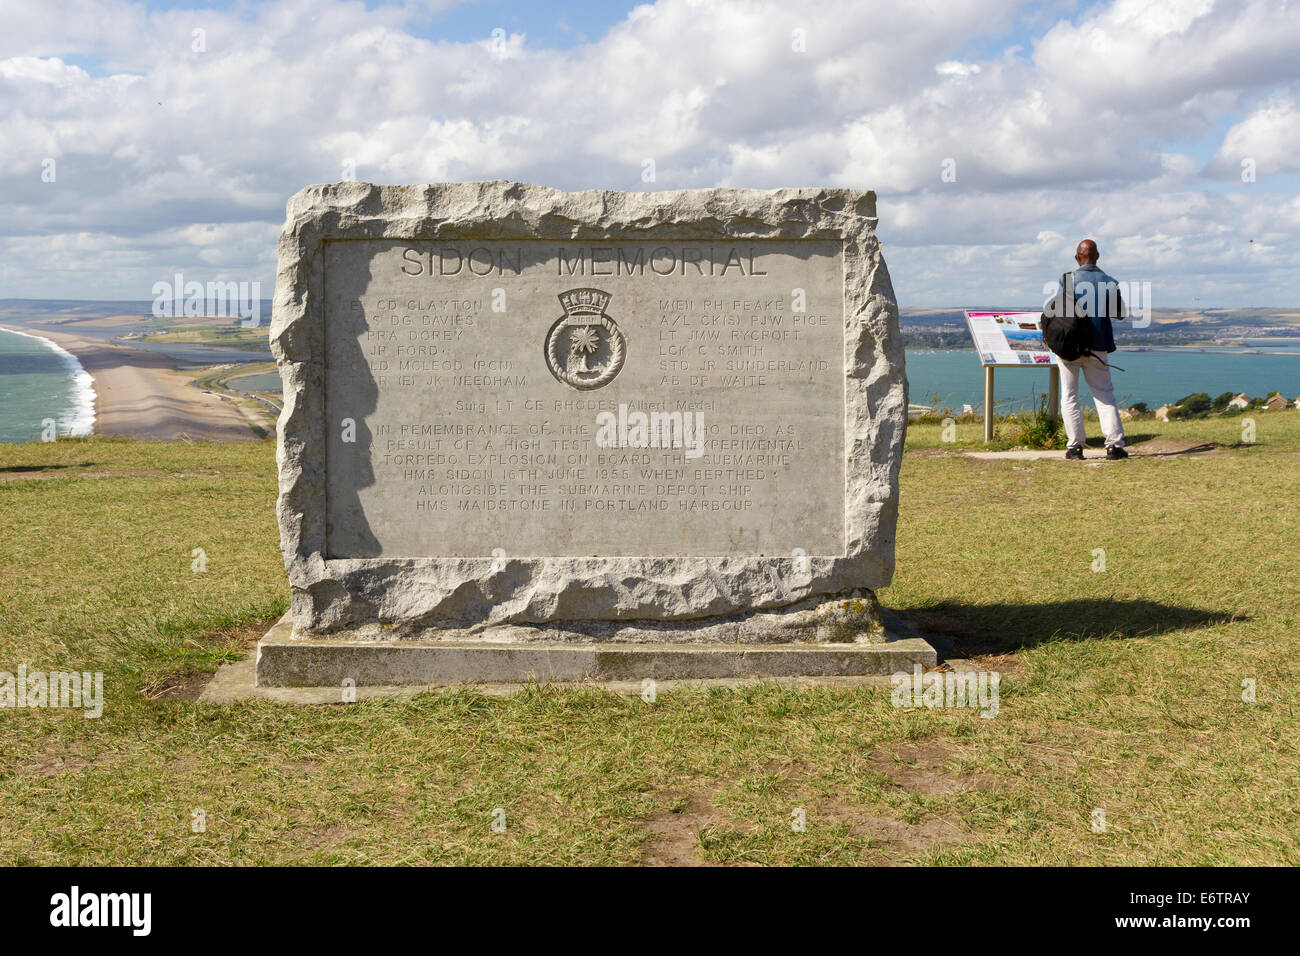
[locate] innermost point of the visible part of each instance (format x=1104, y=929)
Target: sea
x=43, y=389
x=951, y=378
x=40, y=382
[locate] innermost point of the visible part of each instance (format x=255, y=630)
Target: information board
x=1008, y=338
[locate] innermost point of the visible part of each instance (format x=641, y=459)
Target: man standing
x=1097, y=296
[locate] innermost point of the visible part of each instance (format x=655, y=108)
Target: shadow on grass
x=998, y=628
x=1130, y=438
x=25, y=468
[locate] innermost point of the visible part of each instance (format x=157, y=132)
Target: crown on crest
x=586, y=304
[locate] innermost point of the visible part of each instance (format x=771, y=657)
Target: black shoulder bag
x=1066, y=330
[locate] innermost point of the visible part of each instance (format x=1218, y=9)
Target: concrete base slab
x=310, y=671
x=237, y=681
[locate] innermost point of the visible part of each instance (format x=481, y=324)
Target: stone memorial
x=606, y=435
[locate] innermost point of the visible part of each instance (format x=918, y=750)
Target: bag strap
x=1067, y=281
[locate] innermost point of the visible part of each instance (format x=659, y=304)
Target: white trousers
x=1103, y=394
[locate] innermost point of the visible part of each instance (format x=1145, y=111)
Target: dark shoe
x=1074, y=453
x=1115, y=453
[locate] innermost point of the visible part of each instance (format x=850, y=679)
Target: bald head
x=1086, y=254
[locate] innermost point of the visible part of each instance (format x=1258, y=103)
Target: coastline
x=79, y=419
x=138, y=393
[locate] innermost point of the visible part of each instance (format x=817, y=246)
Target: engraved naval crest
x=585, y=347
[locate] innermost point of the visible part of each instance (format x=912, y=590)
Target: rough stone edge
x=331, y=594
x=853, y=618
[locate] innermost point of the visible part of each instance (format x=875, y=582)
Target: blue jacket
x=1097, y=295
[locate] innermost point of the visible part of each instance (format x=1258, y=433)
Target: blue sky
x=556, y=25
x=552, y=25
x=135, y=155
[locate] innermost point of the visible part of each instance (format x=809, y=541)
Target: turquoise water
x=953, y=377
x=38, y=382
x=1155, y=377
x=259, y=382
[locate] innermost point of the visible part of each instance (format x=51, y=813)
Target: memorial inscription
x=707, y=419
x=522, y=414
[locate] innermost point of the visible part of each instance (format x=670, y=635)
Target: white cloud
x=1268, y=139
x=956, y=68
x=170, y=159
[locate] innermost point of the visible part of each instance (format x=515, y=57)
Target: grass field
x=227, y=336
x=1122, y=689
